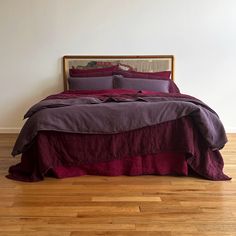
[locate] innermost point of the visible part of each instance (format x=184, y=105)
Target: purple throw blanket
x=117, y=114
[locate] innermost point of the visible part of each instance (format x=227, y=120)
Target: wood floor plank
x=34, y=233
x=66, y=211
x=166, y=227
x=78, y=227
x=120, y=233
x=126, y=199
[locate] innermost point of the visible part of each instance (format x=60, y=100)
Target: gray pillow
x=141, y=84
x=90, y=83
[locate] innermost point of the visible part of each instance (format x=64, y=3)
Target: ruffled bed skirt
x=158, y=164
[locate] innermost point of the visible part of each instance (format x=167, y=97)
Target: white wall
x=35, y=34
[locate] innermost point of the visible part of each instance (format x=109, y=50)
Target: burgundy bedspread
x=67, y=154
x=119, y=132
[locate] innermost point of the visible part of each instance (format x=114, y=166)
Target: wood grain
x=117, y=206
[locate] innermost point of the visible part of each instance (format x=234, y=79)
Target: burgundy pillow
x=145, y=75
x=90, y=83
x=98, y=72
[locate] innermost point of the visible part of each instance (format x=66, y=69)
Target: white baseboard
x=12, y=130
x=230, y=129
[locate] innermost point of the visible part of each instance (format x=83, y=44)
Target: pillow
x=141, y=84
x=173, y=88
x=98, y=72
x=90, y=83
x=145, y=75
x=162, y=75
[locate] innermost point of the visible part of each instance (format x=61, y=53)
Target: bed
x=119, y=115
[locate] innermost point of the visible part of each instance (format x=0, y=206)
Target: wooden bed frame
x=147, y=63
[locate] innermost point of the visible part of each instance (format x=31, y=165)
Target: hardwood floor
x=93, y=205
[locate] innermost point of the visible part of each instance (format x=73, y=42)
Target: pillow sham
x=145, y=75
x=98, y=72
x=173, y=88
x=141, y=84
x=90, y=83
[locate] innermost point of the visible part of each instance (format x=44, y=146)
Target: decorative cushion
x=98, y=72
x=144, y=75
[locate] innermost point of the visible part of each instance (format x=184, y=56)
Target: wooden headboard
x=152, y=63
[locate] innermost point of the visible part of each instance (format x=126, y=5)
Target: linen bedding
x=119, y=132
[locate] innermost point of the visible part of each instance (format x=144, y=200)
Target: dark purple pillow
x=141, y=84
x=173, y=88
x=144, y=75
x=98, y=72
x=90, y=83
